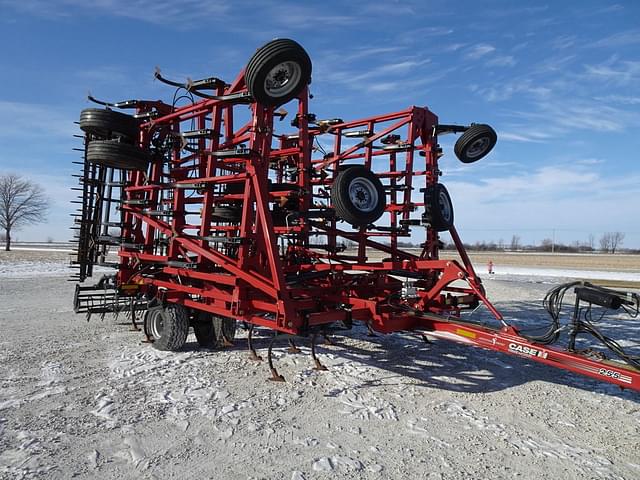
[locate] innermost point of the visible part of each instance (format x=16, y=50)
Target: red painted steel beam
x=508, y=341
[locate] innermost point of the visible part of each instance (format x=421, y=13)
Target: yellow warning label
x=465, y=333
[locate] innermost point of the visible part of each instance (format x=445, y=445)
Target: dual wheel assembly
x=167, y=327
x=112, y=139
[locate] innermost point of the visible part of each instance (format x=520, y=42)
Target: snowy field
x=90, y=400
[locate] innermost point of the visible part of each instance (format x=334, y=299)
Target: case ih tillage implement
x=220, y=217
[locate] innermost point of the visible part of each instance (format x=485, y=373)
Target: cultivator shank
x=220, y=212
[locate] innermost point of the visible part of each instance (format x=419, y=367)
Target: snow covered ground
x=567, y=273
x=56, y=263
x=90, y=400
x=28, y=262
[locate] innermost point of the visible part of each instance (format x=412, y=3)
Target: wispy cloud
x=478, y=51
x=620, y=99
x=162, y=12
x=504, y=91
x=420, y=33
x=590, y=161
x=567, y=196
x=615, y=71
x=502, y=61
x=192, y=14
x=384, y=77
x=359, y=53
x=524, y=136
x=566, y=115
x=29, y=120
x=620, y=39
x=563, y=41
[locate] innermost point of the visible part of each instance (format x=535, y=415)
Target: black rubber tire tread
x=145, y=323
x=432, y=213
x=467, y=139
x=343, y=206
x=114, y=154
x=268, y=56
x=224, y=327
x=176, y=328
x=226, y=214
x=204, y=330
x=107, y=123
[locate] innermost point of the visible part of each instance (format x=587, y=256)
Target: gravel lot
x=90, y=400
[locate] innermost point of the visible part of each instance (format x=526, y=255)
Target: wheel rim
x=156, y=324
x=363, y=194
x=282, y=79
x=445, y=206
x=478, y=147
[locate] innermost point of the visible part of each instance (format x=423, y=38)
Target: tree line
x=609, y=242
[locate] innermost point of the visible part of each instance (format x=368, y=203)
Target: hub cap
x=445, y=206
x=156, y=324
x=478, y=147
x=282, y=79
x=363, y=194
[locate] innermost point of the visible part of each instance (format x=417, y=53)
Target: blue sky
x=559, y=81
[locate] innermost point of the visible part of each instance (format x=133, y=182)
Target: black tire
x=204, y=330
x=475, y=143
x=212, y=330
x=277, y=72
x=114, y=154
x=358, y=184
x=107, y=123
x=145, y=323
x=224, y=327
x=226, y=214
x=438, y=210
x=168, y=326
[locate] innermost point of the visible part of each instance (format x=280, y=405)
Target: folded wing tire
x=114, y=154
x=106, y=124
x=358, y=196
x=475, y=143
x=278, y=72
x=438, y=208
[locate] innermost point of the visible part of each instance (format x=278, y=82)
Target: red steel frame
x=269, y=272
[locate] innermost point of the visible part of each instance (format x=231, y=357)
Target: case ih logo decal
x=525, y=350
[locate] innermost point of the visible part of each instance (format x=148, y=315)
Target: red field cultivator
x=223, y=213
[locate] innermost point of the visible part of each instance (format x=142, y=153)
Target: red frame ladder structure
x=219, y=217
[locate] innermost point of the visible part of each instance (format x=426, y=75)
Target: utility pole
x=553, y=241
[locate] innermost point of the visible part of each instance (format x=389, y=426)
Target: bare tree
x=591, y=242
x=546, y=245
x=515, y=242
x=616, y=240
x=605, y=242
x=22, y=202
